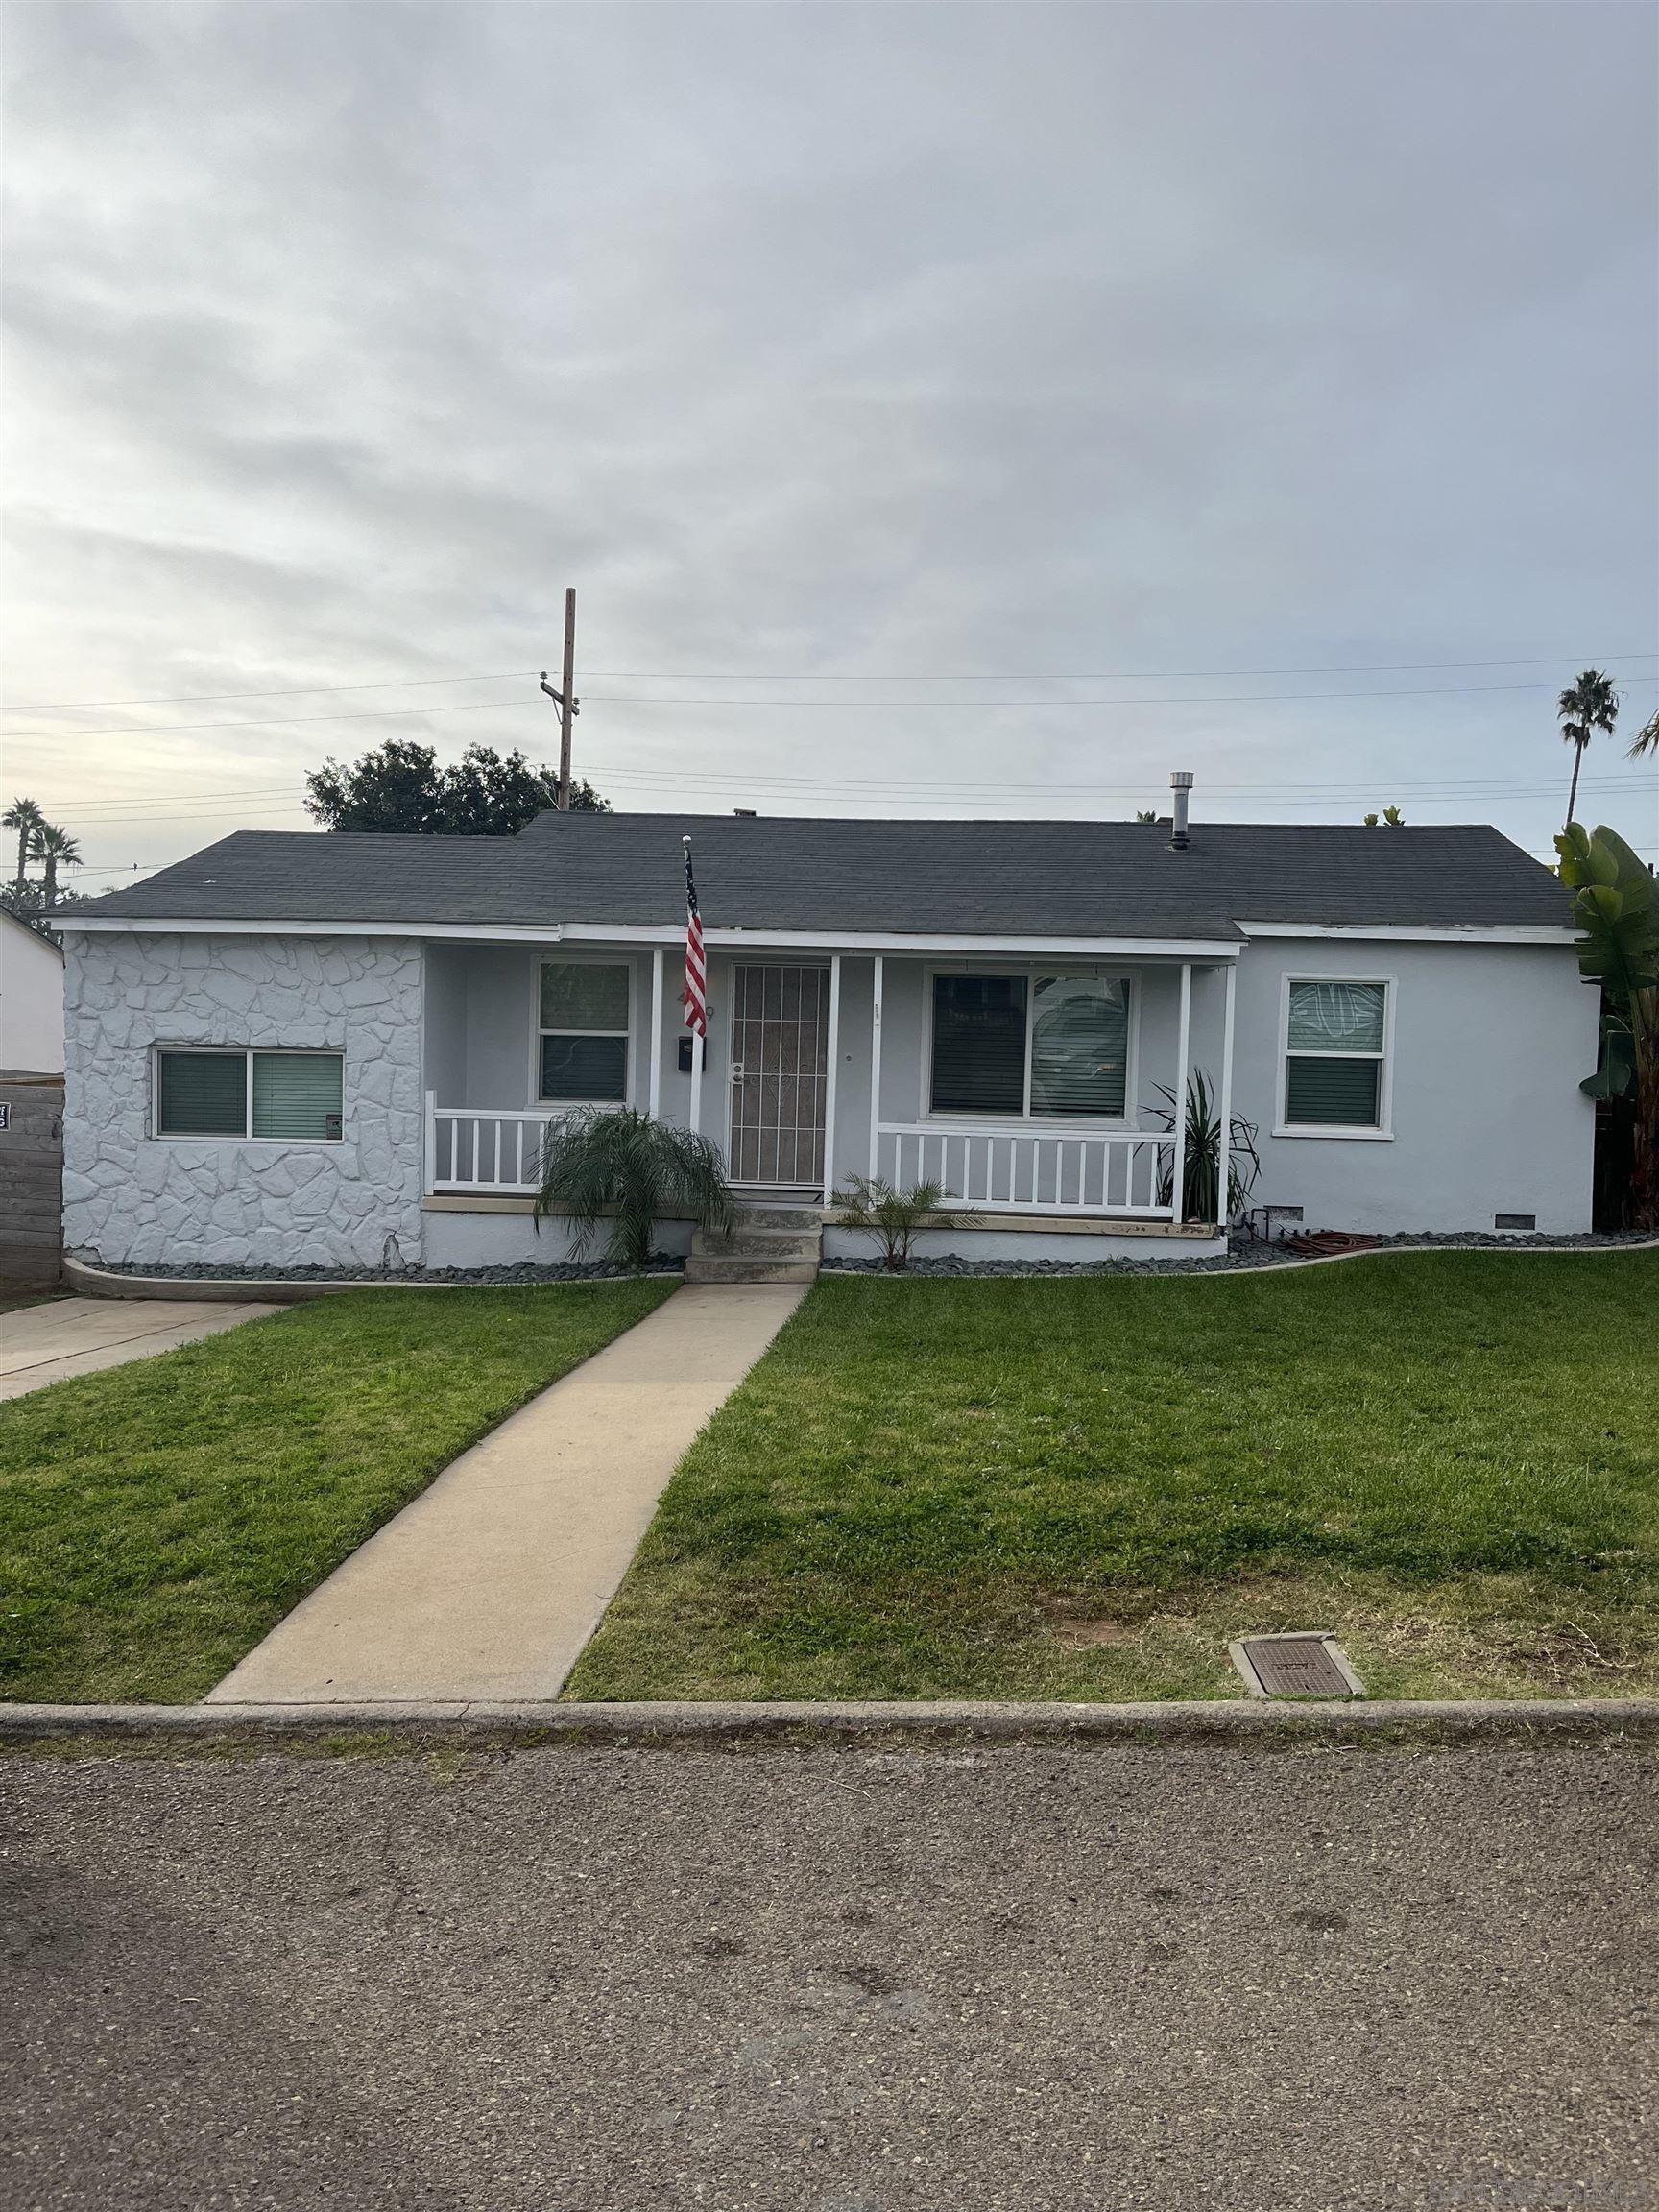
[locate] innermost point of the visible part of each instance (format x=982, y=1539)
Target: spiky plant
x=1201, y=1155
x=602, y=1163
x=892, y=1216
x=1590, y=705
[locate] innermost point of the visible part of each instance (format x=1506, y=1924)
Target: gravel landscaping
x=1243, y=1252
x=523, y=1273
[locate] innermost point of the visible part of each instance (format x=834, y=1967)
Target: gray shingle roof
x=910, y=878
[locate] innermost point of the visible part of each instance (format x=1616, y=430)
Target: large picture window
x=275, y=1095
x=1336, y=1054
x=583, y=1022
x=1031, y=1046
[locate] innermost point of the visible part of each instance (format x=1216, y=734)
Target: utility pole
x=565, y=700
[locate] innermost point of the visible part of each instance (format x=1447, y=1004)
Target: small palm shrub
x=892, y=1216
x=603, y=1162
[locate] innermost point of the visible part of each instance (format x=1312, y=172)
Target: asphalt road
x=833, y=1982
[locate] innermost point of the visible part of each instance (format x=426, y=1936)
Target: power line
x=823, y=676
x=838, y=706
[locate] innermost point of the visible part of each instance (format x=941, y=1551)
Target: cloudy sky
x=939, y=409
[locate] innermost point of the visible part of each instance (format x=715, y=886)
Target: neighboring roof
x=21, y=929
x=906, y=878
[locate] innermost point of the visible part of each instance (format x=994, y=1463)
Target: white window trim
x=1341, y=1132
x=561, y=957
x=249, y=1052
x=1101, y=971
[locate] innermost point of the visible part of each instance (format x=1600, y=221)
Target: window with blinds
x=1079, y=1045
x=1030, y=1046
x=298, y=1094
x=584, y=1032
x=978, y=1044
x=294, y=1095
x=1335, y=1047
x=202, y=1095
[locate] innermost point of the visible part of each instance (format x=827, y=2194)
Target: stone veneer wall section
x=130, y=1197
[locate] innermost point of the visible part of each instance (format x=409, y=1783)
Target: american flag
x=696, y=971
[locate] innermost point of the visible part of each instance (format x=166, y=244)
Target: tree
x=1646, y=738
x=400, y=788
x=54, y=848
x=1617, y=908
x=611, y=1161
x=1590, y=705
x=27, y=819
x=1148, y=814
x=1391, y=815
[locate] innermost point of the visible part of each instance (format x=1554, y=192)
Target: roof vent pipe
x=1181, y=783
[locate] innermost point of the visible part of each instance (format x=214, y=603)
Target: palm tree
x=27, y=819
x=54, y=849
x=598, y=1163
x=1646, y=738
x=1590, y=705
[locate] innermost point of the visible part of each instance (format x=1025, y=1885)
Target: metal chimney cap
x=1181, y=779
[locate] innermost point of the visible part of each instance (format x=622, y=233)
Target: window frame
x=1094, y=971
x=249, y=1052
x=1382, y=1131
x=573, y=959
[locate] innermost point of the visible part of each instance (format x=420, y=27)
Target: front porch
x=1026, y=1080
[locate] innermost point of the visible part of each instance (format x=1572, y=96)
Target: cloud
x=990, y=340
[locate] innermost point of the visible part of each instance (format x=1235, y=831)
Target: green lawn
x=157, y=1519
x=1084, y=1488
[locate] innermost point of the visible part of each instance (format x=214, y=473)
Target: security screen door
x=779, y=1067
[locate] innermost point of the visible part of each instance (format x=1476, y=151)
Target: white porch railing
x=484, y=1148
x=1006, y=1171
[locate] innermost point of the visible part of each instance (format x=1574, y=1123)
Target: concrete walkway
x=490, y=1583
x=42, y=1344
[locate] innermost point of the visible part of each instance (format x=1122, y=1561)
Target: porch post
x=654, y=1096
x=430, y=1146
x=876, y=1072
x=1183, y=1042
x=832, y=1046
x=1225, y=1137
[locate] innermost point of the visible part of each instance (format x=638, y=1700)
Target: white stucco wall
x=1490, y=1045
x=129, y=1196
x=30, y=1000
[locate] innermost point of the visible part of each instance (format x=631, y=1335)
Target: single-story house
x=340, y=1050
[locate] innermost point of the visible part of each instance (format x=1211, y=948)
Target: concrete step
x=733, y=1267
x=750, y=1244
x=780, y=1217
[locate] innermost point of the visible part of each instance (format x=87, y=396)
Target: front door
x=779, y=1068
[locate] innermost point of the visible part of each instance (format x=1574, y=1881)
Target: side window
x=584, y=1032
x=297, y=1095
x=1336, y=1043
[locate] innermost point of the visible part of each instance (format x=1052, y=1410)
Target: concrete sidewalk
x=490, y=1583
x=65, y=1337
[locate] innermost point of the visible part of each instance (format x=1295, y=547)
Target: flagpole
x=699, y=1053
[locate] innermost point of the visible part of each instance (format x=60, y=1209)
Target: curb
x=945, y=1722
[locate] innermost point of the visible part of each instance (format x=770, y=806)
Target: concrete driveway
x=42, y=1344
x=578, y=1979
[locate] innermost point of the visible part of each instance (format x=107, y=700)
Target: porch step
x=731, y=1267
x=766, y=1245
x=748, y=1242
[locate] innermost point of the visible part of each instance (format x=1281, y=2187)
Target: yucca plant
x=1200, y=1169
x=892, y=1216
x=609, y=1162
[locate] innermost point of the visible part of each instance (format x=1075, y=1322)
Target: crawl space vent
x=1514, y=1221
